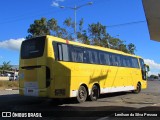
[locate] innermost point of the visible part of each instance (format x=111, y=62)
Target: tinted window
x=32, y=48
x=142, y=64
x=76, y=54
x=126, y=61
x=104, y=58
x=65, y=54
x=55, y=49
x=92, y=56
x=115, y=59
x=134, y=62
x=73, y=53
x=61, y=51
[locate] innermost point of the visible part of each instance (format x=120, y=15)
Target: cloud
x=13, y=44
x=55, y=3
x=1, y=57
x=154, y=67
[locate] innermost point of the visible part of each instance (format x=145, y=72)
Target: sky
x=124, y=19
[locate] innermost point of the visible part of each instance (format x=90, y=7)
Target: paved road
x=147, y=100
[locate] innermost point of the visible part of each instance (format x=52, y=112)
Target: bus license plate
x=31, y=92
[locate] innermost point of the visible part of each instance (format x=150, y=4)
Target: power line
x=22, y=17
x=57, y=11
x=28, y=17
x=124, y=24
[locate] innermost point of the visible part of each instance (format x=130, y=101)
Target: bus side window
x=128, y=60
x=86, y=56
x=76, y=53
x=124, y=62
x=134, y=63
x=115, y=61
x=102, y=58
x=93, y=56
x=55, y=49
x=107, y=59
x=65, y=52
x=60, y=52
x=118, y=60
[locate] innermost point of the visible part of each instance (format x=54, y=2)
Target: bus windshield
x=32, y=48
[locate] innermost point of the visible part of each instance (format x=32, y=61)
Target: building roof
x=152, y=12
x=13, y=67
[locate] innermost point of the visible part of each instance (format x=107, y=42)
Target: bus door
x=143, y=69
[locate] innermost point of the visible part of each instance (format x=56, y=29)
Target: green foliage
x=154, y=76
x=131, y=48
x=96, y=33
x=38, y=28
x=6, y=66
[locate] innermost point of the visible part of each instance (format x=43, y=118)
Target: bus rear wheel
x=138, y=89
x=94, y=93
x=82, y=94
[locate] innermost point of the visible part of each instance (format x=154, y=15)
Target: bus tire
x=138, y=89
x=94, y=93
x=82, y=94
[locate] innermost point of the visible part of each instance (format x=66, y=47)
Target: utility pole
x=75, y=8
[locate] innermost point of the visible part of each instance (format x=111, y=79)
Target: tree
x=38, y=28
x=52, y=26
x=96, y=33
x=115, y=43
x=131, y=48
x=82, y=33
x=154, y=76
x=47, y=27
x=6, y=66
x=69, y=27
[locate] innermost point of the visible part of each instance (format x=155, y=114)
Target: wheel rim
x=82, y=94
x=94, y=93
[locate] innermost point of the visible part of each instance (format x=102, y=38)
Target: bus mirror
x=147, y=68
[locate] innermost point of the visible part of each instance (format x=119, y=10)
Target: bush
x=153, y=77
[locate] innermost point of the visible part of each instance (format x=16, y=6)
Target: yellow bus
x=56, y=68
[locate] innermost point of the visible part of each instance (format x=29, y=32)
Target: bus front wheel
x=94, y=93
x=82, y=94
x=138, y=89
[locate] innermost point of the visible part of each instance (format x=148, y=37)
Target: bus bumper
x=33, y=92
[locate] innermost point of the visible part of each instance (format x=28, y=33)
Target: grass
x=9, y=85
